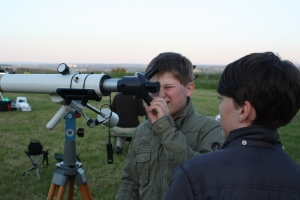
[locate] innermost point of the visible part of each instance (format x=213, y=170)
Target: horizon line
x=99, y=63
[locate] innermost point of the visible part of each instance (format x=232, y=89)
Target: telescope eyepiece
x=152, y=87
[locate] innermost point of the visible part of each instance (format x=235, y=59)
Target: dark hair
x=270, y=84
x=180, y=66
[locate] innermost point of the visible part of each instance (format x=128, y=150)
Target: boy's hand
x=157, y=109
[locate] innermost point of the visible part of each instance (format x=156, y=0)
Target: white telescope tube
x=48, y=83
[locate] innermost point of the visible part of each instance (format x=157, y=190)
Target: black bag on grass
x=35, y=147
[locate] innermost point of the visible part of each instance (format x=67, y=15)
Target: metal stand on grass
x=35, y=165
x=69, y=169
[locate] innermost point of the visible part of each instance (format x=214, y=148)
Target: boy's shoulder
x=201, y=121
x=192, y=116
x=142, y=127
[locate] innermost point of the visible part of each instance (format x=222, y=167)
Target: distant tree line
x=119, y=70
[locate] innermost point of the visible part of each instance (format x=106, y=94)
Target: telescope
x=73, y=90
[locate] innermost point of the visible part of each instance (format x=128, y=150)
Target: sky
x=135, y=31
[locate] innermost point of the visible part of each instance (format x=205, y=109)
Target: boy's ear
x=247, y=113
x=191, y=88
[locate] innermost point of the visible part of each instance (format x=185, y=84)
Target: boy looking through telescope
x=173, y=133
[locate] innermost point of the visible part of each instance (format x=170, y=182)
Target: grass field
x=17, y=128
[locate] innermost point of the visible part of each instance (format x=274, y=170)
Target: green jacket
x=158, y=148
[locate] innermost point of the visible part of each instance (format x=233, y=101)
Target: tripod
x=69, y=169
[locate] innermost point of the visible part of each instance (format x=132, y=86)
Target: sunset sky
x=135, y=31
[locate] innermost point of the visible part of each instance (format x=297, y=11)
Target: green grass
x=207, y=81
x=17, y=128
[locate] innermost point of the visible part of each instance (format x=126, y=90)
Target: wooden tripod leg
x=60, y=193
x=51, y=192
x=87, y=188
x=85, y=192
x=71, y=189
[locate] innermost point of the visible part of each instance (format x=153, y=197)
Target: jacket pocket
x=143, y=165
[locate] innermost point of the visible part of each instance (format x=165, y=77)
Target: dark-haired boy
x=259, y=93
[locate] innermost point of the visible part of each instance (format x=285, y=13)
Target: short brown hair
x=180, y=66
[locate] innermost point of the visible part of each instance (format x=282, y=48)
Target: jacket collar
x=188, y=110
x=255, y=135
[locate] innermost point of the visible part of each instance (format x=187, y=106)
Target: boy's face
x=173, y=92
x=229, y=115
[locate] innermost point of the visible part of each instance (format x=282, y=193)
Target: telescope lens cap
x=63, y=69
